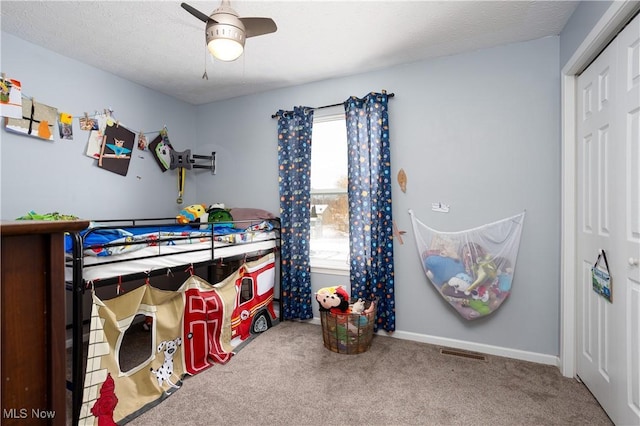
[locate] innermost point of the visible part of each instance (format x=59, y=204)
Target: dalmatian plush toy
x=164, y=373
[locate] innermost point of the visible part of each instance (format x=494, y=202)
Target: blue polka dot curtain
x=369, y=192
x=294, y=160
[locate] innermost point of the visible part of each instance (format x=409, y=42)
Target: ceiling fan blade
x=195, y=12
x=258, y=26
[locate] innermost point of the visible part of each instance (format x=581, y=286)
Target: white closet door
x=608, y=189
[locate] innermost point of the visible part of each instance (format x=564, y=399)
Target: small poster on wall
x=37, y=120
x=96, y=127
x=65, y=125
x=10, y=98
x=115, y=152
x=88, y=123
x=161, y=149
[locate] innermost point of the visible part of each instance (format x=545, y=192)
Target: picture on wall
x=88, y=123
x=37, y=120
x=65, y=125
x=96, y=126
x=161, y=149
x=10, y=98
x=115, y=152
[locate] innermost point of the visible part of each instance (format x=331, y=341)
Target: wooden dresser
x=32, y=316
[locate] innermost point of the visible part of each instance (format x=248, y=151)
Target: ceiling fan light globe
x=225, y=40
x=225, y=49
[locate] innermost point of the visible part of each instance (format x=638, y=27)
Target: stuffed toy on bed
x=220, y=216
x=192, y=213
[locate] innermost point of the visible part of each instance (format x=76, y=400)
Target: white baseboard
x=468, y=346
x=451, y=343
x=477, y=347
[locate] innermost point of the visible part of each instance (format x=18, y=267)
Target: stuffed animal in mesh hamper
x=333, y=299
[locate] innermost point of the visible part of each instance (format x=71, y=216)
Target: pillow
x=240, y=213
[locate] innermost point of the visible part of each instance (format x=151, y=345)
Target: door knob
x=633, y=262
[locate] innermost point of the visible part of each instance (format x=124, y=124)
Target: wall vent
x=463, y=354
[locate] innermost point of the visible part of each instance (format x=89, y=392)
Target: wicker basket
x=347, y=333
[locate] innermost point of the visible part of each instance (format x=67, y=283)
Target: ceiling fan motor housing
x=225, y=24
x=217, y=31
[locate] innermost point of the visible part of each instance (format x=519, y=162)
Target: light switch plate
x=440, y=207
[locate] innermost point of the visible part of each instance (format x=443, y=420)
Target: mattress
x=124, y=258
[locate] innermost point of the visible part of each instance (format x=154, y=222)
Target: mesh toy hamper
x=347, y=333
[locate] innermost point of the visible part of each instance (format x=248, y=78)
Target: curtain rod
x=391, y=95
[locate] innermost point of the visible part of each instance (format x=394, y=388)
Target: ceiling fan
x=226, y=31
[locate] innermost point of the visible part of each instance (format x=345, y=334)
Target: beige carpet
x=287, y=377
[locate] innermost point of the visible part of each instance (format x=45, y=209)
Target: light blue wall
x=479, y=131
x=56, y=176
x=578, y=27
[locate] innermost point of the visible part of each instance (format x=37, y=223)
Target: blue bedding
x=121, y=240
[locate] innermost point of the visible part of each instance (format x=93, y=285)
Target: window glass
x=329, y=204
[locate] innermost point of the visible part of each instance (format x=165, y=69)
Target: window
x=246, y=290
x=329, y=204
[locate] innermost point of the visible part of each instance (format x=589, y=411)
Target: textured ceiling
x=159, y=45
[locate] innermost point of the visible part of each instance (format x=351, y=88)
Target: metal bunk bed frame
x=78, y=287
